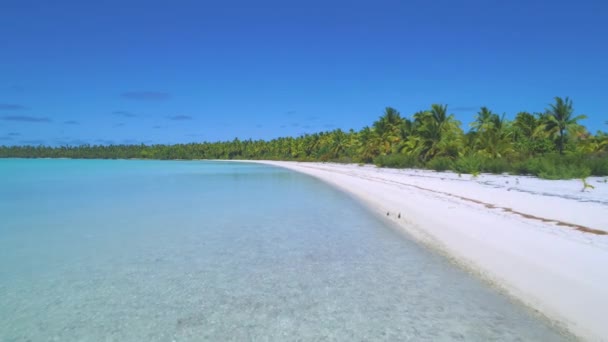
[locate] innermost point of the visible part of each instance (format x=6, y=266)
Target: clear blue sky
x=178, y=71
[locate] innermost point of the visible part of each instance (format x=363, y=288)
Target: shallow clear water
x=190, y=251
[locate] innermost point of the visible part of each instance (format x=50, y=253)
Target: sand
x=544, y=243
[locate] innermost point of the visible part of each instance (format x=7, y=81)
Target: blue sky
x=96, y=72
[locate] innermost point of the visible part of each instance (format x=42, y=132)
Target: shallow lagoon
x=147, y=250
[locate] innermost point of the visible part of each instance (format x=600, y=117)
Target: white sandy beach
x=543, y=242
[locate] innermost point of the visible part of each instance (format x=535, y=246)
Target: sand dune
x=544, y=242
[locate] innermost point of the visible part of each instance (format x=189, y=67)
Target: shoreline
x=543, y=243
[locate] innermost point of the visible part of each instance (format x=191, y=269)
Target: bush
x=496, y=165
x=468, y=164
x=598, y=164
x=397, y=161
x=343, y=160
x=550, y=166
x=440, y=164
x=557, y=167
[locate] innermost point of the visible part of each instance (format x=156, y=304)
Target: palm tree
x=482, y=119
x=439, y=114
x=559, y=120
x=388, y=128
x=436, y=133
x=590, y=143
x=339, y=143
x=368, y=145
x=388, y=120
x=525, y=125
x=498, y=137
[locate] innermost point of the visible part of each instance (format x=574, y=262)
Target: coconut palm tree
x=339, y=143
x=593, y=143
x=388, y=129
x=388, y=120
x=524, y=124
x=435, y=133
x=368, y=145
x=496, y=140
x=559, y=120
x=482, y=119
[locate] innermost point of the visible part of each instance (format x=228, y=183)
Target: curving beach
x=543, y=242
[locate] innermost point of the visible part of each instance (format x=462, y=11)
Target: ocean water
x=189, y=251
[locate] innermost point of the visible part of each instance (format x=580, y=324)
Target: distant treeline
x=552, y=144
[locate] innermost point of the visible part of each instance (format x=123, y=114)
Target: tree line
x=550, y=144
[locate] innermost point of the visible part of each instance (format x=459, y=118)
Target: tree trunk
x=561, y=141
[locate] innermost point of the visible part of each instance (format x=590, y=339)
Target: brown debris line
x=492, y=206
x=528, y=216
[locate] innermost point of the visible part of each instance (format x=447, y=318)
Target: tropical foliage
x=551, y=144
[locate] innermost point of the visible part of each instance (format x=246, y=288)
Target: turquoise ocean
x=118, y=250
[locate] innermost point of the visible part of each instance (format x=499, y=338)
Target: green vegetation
x=586, y=185
x=552, y=145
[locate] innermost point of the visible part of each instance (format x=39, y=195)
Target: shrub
x=468, y=164
x=440, y=164
x=496, y=165
x=558, y=167
x=397, y=161
x=598, y=164
x=343, y=160
x=549, y=166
